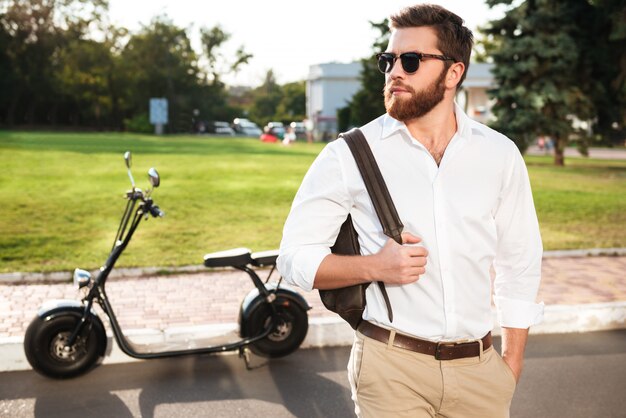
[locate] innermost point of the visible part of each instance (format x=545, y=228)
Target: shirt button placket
x=444, y=259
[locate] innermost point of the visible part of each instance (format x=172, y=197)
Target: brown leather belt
x=441, y=350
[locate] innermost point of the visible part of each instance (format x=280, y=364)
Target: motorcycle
x=67, y=337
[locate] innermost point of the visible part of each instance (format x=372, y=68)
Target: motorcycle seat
x=264, y=258
x=229, y=258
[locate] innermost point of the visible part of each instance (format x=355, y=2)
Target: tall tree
x=33, y=31
x=212, y=40
x=216, y=106
x=292, y=105
x=605, y=50
x=367, y=103
x=545, y=70
x=87, y=76
x=160, y=62
x=267, y=97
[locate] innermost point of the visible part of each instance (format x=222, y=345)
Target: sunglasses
x=410, y=61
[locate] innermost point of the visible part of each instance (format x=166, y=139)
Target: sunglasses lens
x=385, y=62
x=410, y=62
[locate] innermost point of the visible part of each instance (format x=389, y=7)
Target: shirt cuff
x=515, y=313
x=305, y=264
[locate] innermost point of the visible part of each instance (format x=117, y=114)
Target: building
x=473, y=94
x=330, y=87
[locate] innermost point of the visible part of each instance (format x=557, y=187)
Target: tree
x=33, y=32
x=292, y=105
x=7, y=72
x=367, y=103
x=87, y=77
x=545, y=70
x=53, y=70
x=267, y=97
x=212, y=39
x=217, y=107
x=605, y=49
x=160, y=62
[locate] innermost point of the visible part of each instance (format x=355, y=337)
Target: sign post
x=158, y=114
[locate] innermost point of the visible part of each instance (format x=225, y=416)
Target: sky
x=285, y=36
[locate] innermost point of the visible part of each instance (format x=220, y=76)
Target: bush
x=139, y=124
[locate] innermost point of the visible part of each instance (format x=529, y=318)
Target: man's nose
x=396, y=70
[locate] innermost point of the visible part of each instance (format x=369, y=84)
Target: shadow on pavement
x=567, y=375
x=308, y=383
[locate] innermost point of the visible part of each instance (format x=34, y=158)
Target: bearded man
x=463, y=194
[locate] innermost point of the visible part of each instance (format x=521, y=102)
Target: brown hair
x=453, y=39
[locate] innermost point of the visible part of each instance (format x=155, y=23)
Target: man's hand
x=513, y=346
x=401, y=264
x=394, y=263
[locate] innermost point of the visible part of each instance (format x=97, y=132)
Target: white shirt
x=473, y=211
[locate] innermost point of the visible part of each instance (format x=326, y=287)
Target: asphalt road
x=569, y=375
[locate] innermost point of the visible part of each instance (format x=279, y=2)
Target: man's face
x=411, y=96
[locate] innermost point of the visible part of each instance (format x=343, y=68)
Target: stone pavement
x=581, y=293
x=594, y=152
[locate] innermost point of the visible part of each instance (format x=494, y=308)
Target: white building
x=473, y=94
x=330, y=87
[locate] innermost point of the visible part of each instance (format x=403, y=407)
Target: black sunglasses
x=410, y=61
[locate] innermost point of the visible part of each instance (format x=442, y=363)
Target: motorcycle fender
x=254, y=300
x=53, y=308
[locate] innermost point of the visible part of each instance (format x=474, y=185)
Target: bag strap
x=377, y=189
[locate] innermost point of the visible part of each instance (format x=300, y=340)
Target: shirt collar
x=464, y=129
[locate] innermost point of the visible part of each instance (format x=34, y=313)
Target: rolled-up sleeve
x=318, y=210
x=519, y=252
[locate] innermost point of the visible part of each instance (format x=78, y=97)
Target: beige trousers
x=387, y=381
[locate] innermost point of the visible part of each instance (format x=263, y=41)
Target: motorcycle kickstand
x=252, y=360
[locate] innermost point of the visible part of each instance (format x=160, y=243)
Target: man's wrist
x=513, y=347
x=370, y=266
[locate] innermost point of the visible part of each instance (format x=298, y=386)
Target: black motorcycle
x=67, y=337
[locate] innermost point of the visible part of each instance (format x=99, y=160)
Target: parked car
x=275, y=128
x=299, y=129
x=246, y=128
x=221, y=128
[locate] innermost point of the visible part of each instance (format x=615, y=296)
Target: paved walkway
x=600, y=153
x=182, y=300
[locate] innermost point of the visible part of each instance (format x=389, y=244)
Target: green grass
x=61, y=198
x=62, y=195
x=581, y=205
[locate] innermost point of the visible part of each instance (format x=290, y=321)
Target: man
x=463, y=195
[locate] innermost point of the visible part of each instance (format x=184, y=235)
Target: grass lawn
x=61, y=197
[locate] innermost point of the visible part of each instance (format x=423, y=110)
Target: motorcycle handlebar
x=155, y=211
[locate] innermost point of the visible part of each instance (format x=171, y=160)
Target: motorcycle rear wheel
x=286, y=336
x=45, y=340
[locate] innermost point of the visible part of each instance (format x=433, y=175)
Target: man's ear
x=455, y=72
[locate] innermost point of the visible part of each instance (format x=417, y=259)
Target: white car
x=221, y=128
x=246, y=128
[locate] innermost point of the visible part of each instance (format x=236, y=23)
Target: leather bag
x=349, y=302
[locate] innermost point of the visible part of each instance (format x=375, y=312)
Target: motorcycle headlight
x=81, y=278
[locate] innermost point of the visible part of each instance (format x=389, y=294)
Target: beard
x=419, y=104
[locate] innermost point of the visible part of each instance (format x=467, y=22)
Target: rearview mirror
x=128, y=159
x=153, y=175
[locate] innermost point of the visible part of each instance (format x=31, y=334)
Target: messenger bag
x=349, y=302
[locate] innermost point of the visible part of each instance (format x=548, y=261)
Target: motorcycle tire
x=287, y=335
x=44, y=343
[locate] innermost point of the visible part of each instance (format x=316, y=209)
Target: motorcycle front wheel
x=45, y=346
x=287, y=333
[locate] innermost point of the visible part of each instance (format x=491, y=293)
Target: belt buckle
x=442, y=344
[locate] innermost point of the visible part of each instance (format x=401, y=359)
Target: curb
x=66, y=276
x=333, y=331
